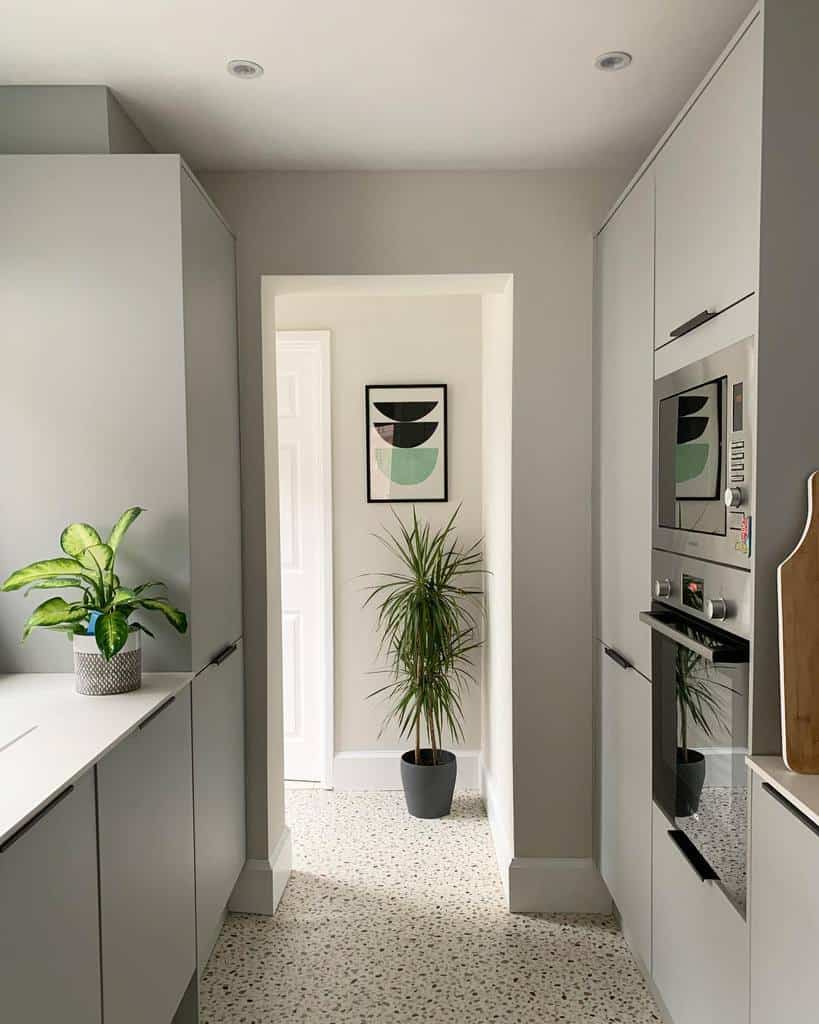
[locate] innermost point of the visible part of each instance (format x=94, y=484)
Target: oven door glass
x=691, y=474
x=700, y=739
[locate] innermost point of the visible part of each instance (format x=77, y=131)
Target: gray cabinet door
x=49, y=936
x=212, y=387
x=219, y=792
x=708, y=194
x=625, y=798
x=784, y=912
x=147, y=868
x=624, y=382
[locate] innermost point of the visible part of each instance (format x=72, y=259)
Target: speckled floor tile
x=390, y=919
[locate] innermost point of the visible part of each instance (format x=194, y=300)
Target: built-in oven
x=700, y=732
x=703, y=457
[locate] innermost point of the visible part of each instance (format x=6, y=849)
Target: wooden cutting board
x=798, y=578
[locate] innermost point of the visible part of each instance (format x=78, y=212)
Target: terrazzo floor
x=387, y=918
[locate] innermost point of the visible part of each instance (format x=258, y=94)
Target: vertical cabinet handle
x=617, y=658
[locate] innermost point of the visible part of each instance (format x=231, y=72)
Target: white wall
x=396, y=339
x=538, y=227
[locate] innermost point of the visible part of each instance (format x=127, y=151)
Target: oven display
x=693, y=591
x=738, y=416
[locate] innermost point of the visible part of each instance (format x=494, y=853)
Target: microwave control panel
x=737, y=493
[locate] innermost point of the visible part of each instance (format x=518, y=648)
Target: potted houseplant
x=698, y=703
x=107, y=654
x=428, y=625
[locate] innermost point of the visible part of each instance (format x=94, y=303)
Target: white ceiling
x=401, y=84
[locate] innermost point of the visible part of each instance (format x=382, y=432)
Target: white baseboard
x=570, y=885
x=501, y=840
x=261, y=883
x=381, y=769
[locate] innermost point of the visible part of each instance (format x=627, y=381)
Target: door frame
x=319, y=342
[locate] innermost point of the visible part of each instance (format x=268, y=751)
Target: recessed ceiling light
x=245, y=68
x=616, y=60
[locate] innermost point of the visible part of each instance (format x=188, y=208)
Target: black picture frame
x=368, y=389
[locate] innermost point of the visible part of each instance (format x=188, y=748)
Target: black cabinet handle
x=617, y=657
x=158, y=711
x=693, y=856
x=37, y=817
x=695, y=321
x=799, y=815
x=224, y=654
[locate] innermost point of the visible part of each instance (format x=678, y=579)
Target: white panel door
x=303, y=386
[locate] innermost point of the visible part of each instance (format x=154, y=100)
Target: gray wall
x=539, y=227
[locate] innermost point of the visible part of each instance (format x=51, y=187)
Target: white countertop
x=50, y=735
x=801, y=790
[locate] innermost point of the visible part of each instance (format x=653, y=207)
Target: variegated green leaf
x=124, y=595
x=58, y=583
x=111, y=632
x=148, y=586
x=53, y=612
x=49, y=569
x=177, y=619
x=77, y=537
x=121, y=526
x=98, y=556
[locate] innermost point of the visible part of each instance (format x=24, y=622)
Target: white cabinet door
x=700, y=943
x=49, y=936
x=147, y=904
x=624, y=381
x=708, y=195
x=784, y=911
x=625, y=798
x=219, y=791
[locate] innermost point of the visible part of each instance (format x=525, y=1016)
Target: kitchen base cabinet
x=219, y=791
x=625, y=798
x=699, y=941
x=49, y=937
x=784, y=911
x=146, y=858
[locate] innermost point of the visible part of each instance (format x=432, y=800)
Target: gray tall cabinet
x=120, y=388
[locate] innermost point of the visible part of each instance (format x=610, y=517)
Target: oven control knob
x=716, y=608
x=734, y=497
x=662, y=588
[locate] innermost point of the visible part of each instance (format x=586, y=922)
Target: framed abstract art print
x=406, y=442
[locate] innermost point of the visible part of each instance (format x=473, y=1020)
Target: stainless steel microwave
x=704, y=417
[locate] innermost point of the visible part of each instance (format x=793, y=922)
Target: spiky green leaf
x=177, y=619
x=98, y=557
x=53, y=612
x=77, y=537
x=49, y=569
x=122, y=524
x=111, y=632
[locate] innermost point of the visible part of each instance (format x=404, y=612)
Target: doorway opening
x=306, y=541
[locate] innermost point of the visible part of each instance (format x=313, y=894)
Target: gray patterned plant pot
x=97, y=677
x=428, y=787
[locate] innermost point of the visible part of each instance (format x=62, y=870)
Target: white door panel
x=303, y=395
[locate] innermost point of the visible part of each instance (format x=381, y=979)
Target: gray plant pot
x=428, y=787
x=690, y=780
x=96, y=677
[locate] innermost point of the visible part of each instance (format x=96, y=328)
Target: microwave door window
x=690, y=460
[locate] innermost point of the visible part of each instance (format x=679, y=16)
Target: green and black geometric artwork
x=406, y=442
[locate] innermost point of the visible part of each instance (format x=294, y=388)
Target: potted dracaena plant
x=107, y=654
x=428, y=626
x=697, y=702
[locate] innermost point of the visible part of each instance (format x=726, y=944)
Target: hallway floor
x=390, y=919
